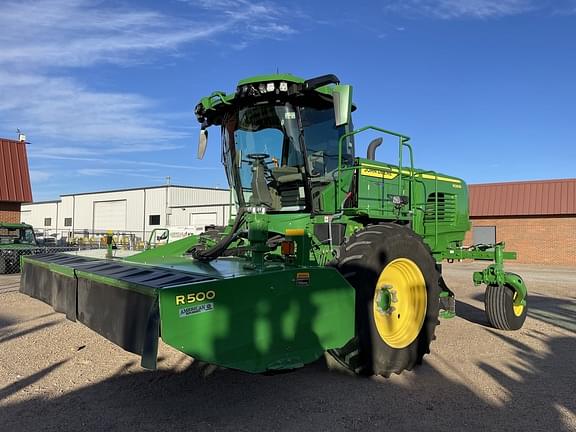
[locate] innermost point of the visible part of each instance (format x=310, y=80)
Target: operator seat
x=287, y=182
x=260, y=192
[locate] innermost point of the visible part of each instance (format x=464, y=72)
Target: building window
x=154, y=220
x=67, y=221
x=484, y=235
x=47, y=222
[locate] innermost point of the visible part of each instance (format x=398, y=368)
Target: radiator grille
x=446, y=208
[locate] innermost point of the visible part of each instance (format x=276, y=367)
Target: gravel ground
x=59, y=375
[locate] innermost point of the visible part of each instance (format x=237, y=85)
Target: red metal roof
x=528, y=198
x=14, y=176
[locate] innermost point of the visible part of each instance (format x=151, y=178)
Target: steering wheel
x=258, y=156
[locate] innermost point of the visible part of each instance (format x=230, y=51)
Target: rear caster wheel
x=500, y=309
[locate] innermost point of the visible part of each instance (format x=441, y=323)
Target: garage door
x=199, y=220
x=110, y=215
x=484, y=234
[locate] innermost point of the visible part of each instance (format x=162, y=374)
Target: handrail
x=166, y=230
x=403, y=142
x=421, y=174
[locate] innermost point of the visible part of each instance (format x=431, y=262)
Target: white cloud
x=37, y=176
x=150, y=173
x=62, y=110
x=43, y=41
x=453, y=9
x=83, y=32
x=43, y=156
x=84, y=152
x=247, y=8
x=111, y=172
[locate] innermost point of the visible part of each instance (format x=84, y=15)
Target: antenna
x=21, y=135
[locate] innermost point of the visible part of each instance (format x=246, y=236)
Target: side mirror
x=342, y=98
x=202, y=143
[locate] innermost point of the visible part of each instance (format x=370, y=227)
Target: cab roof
x=14, y=225
x=210, y=108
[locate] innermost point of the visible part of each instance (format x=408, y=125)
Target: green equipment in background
x=16, y=239
x=329, y=251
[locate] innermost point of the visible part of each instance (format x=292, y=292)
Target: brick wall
x=550, y=240
x=9, y=212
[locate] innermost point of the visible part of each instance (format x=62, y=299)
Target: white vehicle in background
x=160, y=236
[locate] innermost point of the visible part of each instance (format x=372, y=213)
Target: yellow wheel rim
x=517, y=309
x=399, y=303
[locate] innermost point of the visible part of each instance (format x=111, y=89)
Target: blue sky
x=105, y=91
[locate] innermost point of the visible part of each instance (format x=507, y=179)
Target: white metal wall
x=66, y=212
x=180, y=196
x=35, y=214
x=184, y=203
x=184, y=210
x=194, y=218
x=156, y=204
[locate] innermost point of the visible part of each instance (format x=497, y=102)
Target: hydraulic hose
x=206, y=255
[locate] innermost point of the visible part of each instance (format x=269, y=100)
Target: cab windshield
x=270, y=150
x=12, y=235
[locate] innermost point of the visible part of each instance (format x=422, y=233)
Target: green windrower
x=328, y=251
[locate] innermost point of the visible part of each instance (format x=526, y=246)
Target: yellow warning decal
x=388, y=175
x=391, y=173
x=294, y=232
x=446, y=179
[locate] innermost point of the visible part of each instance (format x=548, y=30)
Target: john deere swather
x=328, y=251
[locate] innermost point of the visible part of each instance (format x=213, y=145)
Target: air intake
x=444, y=205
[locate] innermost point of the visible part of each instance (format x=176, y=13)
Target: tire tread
x=499, y=308
x=364, y=243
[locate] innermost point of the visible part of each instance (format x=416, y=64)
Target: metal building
x=183, y=210
x=15, y=186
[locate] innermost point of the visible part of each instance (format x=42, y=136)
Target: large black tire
x=361, y=262
x=499, y=307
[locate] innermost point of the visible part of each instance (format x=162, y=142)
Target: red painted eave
x=14, y=175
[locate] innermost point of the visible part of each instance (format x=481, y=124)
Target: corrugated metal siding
x=14, y=175
x=182, y=217
x=66, y=210
x=34, y=214
x=156, y=204
x=175, y=205
x=192, y=207
x=531, y=198
x=187, y=196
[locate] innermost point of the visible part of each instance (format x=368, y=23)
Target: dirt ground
x=58, y=375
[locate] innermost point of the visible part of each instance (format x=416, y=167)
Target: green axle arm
x=494, y=274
